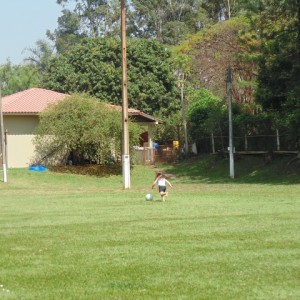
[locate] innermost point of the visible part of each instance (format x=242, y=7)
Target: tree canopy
x=16, y=78
x=205, y=113
x=229, y=43
x=94, y=67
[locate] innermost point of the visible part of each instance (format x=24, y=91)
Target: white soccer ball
x=149, y=197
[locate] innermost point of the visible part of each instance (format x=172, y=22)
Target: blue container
x=38, y=168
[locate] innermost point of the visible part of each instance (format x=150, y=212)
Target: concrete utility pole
x=3, y=150
x=229, y=91
x=181, y=85
x=125, y=140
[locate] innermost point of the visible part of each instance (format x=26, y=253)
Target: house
x=21, y=116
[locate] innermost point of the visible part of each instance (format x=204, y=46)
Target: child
x=161, y=181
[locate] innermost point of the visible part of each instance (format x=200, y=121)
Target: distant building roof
x=30, y=102
x=137, y=115
x=33, y=101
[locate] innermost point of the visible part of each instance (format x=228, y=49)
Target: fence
x=147, y=155
x=248, y=143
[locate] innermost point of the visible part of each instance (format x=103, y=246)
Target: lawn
x=69, y=236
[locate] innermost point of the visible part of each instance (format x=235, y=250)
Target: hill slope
x=247, y=169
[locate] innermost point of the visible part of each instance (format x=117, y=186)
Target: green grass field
x=68, y=236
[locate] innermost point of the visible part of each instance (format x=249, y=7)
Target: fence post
x=278, y=140
x=213, y=143
x=246, y=143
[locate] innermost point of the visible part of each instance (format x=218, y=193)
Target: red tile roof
x=137, y=114
x=31, y=101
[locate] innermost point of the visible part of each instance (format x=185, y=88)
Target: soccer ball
x=149, y=197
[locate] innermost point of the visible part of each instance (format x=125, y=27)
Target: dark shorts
x=162, y=188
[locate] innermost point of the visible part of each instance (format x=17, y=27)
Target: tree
x=94, y=67
x=85, y=18
x=279, y=27
x=84, y=125
x=16, y=78
x=171, y=129
x=229, y=43
x=215, y=10
x=40, y=55
x=278, y=23
x=220, y=10
x=168, y=21
x=182, y=71
x=152, y=83
x=206, y=115
x=68, y=32
x=95, y=16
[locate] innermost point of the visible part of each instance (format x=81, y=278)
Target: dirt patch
x=92, y=170
x=167, y=175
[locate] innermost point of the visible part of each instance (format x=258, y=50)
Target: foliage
x=170, y=22
x=171, y=129
x=68, y=32
x=292, y=119
x=98, y=17
x=151, y=81
x=89, y=128
x=40, y=55
x=167, y=21
x=85, y=18
x=94, y=67
x=278, y=24
x=213, y=50
x=16, y=78
x=182, y=71
x=205, y=114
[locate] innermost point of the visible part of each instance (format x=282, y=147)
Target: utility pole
x=3, y=150
x=183, y=115
x=229, y=91
x=125, y=133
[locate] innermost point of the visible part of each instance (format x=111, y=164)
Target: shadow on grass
x=247, y=169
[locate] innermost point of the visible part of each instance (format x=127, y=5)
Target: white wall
x=20, y=149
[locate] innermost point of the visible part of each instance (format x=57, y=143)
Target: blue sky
x=22, y=23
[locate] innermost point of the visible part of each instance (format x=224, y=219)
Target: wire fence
x=212, y=144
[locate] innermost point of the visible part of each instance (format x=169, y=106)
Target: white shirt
x=161, y=181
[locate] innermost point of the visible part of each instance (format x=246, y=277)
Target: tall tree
x=68, y=32
x=94, y=67
x=169, y=21
x=16, y=78
x=215, y=10
x=279, y=27
x=182, y=70
x=278, y=23
x=40, y=55
x=93, y=15
x=225, y=44
x=85, y=18
x=205, y=115
x=220, y=10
